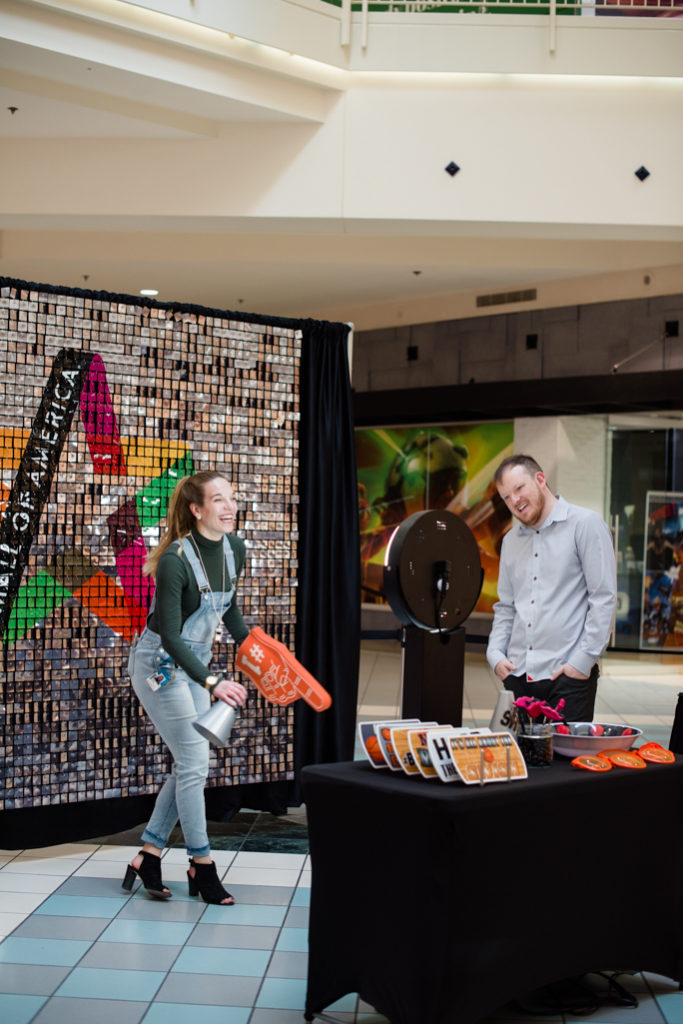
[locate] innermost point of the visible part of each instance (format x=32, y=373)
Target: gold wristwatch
x=211, y=682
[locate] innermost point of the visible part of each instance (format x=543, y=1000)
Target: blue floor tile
x=671, y=1005
x=302, y=897
x=297, y=917
x=293, y=940
x=245, y=963
x=347, y=1004
x=283, y=994
x=56, y=952
x=131, y=956
x=238, y=936
x=101, y=983
x=60, y=1010
x=17, y=1009
x=288, y=965
x=146, y=909
x=181, y=1013
x=86, y=885
x=246, y=913
x=273, y=895
x=33, y=979
x=82, y=906
x=53, y=927
x=161, y=933
x=266, y=1016
x=209, y=990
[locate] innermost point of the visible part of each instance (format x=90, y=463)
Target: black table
x=439, y=903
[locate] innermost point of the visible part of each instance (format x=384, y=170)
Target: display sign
x=661, y=624
x=403, y=470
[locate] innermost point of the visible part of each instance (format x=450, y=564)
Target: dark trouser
x=579, y=694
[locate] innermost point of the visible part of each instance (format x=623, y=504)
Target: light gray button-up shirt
x=557, y=593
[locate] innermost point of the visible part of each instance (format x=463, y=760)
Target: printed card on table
x=489, y=758
x=417, y=741
x=438, y=745
x=368, y=733
x=399, y=739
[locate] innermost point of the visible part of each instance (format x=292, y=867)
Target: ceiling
x=336, y=269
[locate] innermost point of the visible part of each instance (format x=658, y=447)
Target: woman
x=196, y=566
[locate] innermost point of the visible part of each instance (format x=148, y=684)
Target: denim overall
x=176, y=704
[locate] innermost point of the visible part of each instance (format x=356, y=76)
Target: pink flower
x=553, y=714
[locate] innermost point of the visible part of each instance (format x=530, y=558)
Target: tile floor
x=76, y=948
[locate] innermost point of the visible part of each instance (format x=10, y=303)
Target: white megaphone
x=504, y=717
x=216, y=724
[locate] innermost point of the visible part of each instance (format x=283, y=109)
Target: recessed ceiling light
x=149, y=291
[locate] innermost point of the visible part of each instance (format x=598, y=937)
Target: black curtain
x=676, y=741
x=328, y=601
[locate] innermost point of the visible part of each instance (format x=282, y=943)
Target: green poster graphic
x=402, y=470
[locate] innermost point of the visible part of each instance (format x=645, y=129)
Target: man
x=557, y=593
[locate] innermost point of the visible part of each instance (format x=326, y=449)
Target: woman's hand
x=231, y=692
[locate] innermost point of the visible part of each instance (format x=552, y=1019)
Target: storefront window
x=646, y=508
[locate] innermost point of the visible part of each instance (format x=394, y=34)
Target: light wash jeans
x=173, y=708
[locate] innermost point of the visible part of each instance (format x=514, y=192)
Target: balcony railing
x=553, y=9
x=609, y=8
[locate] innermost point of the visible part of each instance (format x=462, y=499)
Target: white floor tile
x=71, y=850
x=262, y=876
x=61, y=866
x=288, y=861
x=14, y=881
x=124, y=854
x=222, y=858
x=177, y=872
x=8, y=922
x=101, y=869
x=372, y=711
x=20, y=902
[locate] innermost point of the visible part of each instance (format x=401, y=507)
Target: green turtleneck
x=177, y=597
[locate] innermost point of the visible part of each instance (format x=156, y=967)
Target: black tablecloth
x=439, y=903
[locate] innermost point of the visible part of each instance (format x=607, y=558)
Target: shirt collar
x=557, y=514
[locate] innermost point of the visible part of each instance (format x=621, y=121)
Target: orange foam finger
x=276, y=672
x=264, y=670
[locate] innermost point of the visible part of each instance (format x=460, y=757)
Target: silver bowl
x=581, y=738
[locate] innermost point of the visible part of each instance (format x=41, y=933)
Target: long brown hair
x=179, y=520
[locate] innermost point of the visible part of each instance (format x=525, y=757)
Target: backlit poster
x=661, y=624
x=402, y=470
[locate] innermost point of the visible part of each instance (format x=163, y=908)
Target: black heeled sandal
x=207, y=884
x=149, y=874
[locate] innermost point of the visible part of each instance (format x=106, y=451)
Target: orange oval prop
x=623, y=758
x=656, y=753
x=592, y=762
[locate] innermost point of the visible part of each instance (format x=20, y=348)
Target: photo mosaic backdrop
x=104, y=405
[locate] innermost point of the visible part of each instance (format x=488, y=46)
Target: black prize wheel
x=432, y=571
